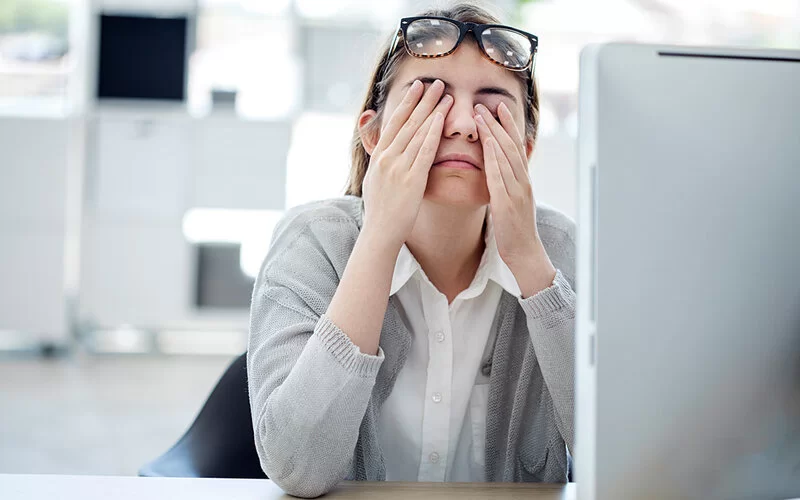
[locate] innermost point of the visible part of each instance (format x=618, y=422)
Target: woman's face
x=471, y=79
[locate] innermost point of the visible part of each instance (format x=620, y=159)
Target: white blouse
x=432, y=427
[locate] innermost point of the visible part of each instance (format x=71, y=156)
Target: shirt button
x=437, y=397
x=439, y=336
x=434, y=457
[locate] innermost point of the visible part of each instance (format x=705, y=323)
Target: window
x=245, y=47
x=34, y=54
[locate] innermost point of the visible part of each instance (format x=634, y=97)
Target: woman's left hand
x=511, y=197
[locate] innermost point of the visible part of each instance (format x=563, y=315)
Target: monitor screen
x=142, y=57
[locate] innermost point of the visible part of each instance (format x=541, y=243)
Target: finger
x=419, y=137
x=400, y=115
x=427, y=152
x=421, y=112
x=503, y=139
x=510, y=126
x=494, y=179
x=489, y=138
x=506, y=171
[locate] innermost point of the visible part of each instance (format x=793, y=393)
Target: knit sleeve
x=309, y=384
x=551, y=323
x=551, y=320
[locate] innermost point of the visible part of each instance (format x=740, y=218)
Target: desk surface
x=36, y=487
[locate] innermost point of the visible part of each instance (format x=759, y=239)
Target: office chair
x=220, y=441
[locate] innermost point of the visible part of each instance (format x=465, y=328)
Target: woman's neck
x=448, y=242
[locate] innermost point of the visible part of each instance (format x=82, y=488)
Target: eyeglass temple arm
x=395, y=40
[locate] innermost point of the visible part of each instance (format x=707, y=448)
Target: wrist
x=379, y=241
x=535, y=273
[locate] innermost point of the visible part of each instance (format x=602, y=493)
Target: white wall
x=554, y=173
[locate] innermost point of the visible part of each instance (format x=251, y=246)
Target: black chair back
x=220, y=441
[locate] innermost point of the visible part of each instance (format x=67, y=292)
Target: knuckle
x=406, y=159
x=383, y=163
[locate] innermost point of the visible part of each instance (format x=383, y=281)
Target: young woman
x=420, y=328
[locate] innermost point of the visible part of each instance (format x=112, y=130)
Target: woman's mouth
x=463, y=165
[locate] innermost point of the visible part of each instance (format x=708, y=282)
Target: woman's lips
x=464, y=165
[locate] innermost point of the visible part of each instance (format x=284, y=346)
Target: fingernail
x=416, y=84
x=447, y=99
x=480, y=108
x=439, y=83
x=503, y=106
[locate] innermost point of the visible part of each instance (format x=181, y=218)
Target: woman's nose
x=459, y=121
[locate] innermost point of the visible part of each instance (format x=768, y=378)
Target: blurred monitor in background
x=142, y=57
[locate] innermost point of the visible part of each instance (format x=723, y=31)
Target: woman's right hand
x=398, y=169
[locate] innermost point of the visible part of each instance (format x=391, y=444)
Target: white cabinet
x=140, y=170
x=33, y=201
x=146, y=170
x=135, y=263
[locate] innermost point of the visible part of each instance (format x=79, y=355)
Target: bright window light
x=230, y=55
x=321, y=8
x=252, y=229
x=270, y=8
x=252, y=254
x=220, y=225
x=548, y=121
x=319, y=157
x=386, y=15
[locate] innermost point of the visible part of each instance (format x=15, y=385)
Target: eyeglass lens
x=432, y=37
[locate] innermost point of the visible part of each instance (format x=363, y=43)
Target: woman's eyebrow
x=497, y=91
x=425, y=80
x=481, y=91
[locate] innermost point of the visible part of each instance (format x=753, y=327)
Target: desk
x=50, y=487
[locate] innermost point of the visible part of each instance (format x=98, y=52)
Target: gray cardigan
x=315, y=398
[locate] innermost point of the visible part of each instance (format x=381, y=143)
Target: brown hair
x=378, y=90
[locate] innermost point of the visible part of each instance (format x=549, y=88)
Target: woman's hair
x=378, y=90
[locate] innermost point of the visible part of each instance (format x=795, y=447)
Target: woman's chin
x=456, y=191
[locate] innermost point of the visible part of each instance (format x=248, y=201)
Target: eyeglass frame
x=464, y=28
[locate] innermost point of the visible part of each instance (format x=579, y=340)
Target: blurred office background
x=147, y=149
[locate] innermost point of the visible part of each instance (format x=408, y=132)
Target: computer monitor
x=688, y=312
x=143, y=57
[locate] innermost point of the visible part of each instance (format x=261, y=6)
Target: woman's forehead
x=464, y=69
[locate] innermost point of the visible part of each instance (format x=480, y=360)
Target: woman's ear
x=529, y=148
x=369, y=130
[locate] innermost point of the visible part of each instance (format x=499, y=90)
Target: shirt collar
x=491, y=267
x=405, y=267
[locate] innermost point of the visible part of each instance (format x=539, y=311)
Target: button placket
x=436, y=416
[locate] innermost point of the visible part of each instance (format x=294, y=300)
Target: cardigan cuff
x=343, y=350
x=558, y=295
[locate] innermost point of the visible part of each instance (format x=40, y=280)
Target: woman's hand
x=511, y=197
x=399, y=164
